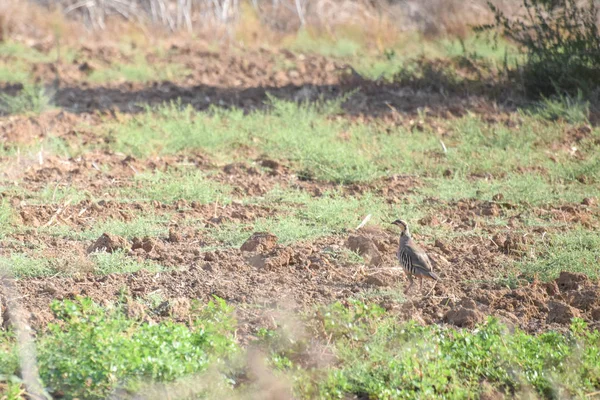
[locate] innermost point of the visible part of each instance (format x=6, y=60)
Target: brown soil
x=265, y=274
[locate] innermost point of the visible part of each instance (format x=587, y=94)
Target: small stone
x=491, y=210
x=180, y=308
x=49, y=289
x=589, y=201
x=86, y=67
x=271, y=164
x=375, y=281
x=552, y=288
x=442, y=246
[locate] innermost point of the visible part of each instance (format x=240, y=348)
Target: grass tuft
x=170, y=187
x=574, y=110
x=574, y=250
x=31, y=99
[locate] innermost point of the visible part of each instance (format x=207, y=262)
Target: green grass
x=168, y=187
x=13, y=72
x=25, y=53
x=151, y=225
x=302, y=217
x=573, y=110
x=58, y=193
x=575, y=250
x=118, y=263
x=92, y=351
x=31, y=99
x=7, y=217
x=320, y=147
x=22, y=266
x=305, y=42
x=523, y=191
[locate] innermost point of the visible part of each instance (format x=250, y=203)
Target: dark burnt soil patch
x=233, y=78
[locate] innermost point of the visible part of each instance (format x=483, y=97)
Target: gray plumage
x=413, y=259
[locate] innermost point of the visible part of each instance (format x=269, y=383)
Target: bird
x=413, y=259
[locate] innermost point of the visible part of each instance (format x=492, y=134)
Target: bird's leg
x=420, y=283
x=410, y=283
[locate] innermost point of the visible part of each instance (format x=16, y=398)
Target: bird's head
x=401, y=224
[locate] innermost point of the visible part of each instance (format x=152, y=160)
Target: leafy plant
x=561, y=41
x=379, y=358
x=92, y=350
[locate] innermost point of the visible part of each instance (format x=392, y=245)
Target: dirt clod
x=376, y=281
x=174, y=236
x=570, y=280
x=464, y=315
x=274, y=167
x=442, y=246
x=180, y=308
x=584, y=299
x=147, y=244
x=109, y=243
x=134, y=309
x=365, y=247
x=511, y=243
x=260, y=241
x=561, y=313
x=552, y=288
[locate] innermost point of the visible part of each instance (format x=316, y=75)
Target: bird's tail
x=433, y=276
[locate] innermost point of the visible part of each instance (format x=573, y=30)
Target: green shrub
x=379, y=358
x=91, y=350
x=31, y=98
x=561, y=41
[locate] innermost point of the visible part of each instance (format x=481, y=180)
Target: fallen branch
x=364, y=222
x=25, y=344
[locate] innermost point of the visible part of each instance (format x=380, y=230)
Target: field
x=181, y=220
